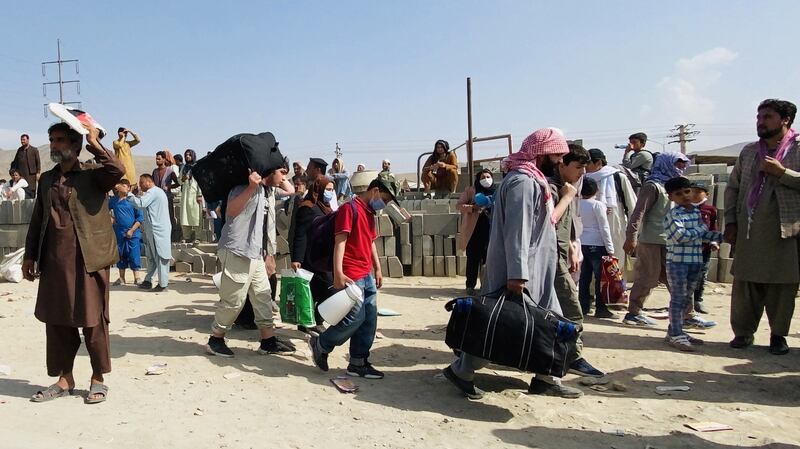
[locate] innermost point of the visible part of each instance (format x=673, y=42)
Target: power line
x=60, y=62
x=683, y=135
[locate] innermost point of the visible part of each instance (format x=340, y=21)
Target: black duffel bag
x=229, y=164
x=512, y=330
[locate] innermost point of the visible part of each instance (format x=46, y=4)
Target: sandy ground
x=254, y=401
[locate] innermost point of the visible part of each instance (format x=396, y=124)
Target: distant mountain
x=144, y=163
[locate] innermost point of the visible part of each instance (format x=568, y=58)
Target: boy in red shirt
x=708, y=213
x=354, y=257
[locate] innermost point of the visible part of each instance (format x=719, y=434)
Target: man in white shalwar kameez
x=157, y=230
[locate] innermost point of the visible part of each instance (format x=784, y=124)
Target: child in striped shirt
x=686, y=233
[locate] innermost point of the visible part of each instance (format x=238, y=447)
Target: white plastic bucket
x=335, y=308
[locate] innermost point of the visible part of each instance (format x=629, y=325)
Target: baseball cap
x=702, y=185
x=386, y=184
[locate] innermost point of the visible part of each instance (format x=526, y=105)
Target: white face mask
x=700, y=203
x=486, y=182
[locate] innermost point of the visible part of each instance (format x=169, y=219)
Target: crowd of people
x=542, y=227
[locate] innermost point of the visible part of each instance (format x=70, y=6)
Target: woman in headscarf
x=341, y=179
x=319, y=196
x=440, y=171
x=645, y=235
x=475, y=206
x=191, y=199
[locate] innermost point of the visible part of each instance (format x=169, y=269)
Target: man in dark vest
x=27, y=162
x=71, y=239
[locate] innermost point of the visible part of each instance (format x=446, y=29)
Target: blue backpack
x=321, y=236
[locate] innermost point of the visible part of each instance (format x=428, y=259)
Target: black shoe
x=319, y=357
x=604, y=313
x=146, y=285
x=583, y=368
x=160, y=289
x=741, y=342
x=539, y=386
x=777, y=345
x=468, y=388
x=366, y=371
x=310, y=330
x=273, y=345
x=217, y=346
x=699, y=307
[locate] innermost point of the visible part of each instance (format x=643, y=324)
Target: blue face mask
x=377, y=204
x=329, y=196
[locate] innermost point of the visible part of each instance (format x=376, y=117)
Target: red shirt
x=708, y=214
x=357, y=261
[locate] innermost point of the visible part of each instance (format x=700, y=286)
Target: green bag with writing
x=296, y=304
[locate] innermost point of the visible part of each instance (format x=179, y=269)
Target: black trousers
x=477, y=247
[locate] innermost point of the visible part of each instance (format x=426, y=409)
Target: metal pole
x=469, y=129
x=60, y=84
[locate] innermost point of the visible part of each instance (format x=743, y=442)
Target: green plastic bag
x=296, y=304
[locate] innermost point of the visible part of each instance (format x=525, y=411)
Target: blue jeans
x=359, y=325
x=592, y=265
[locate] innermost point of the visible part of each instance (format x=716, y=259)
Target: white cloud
x=684, y=93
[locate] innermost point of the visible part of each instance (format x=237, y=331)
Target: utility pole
x=60, y=62
x=683, y=134
x=469, y=129
x=337, y=151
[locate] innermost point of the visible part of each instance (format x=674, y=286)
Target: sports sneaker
x=539, y=386
x=366, y=371
x=696, y=322
x=777, y=345
x=160, y=289
x=637, y=320
x=741, y=341
x=319, y=357
x=147, y=285
x=217, y=346
x=583, y=368
x=273, y=345
x=680, y=342
x=468, y=388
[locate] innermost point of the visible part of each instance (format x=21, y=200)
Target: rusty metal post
x=469, y=130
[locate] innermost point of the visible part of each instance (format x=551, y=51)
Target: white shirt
x=596, y=231
x=18, y=190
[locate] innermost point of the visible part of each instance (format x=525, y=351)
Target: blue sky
x=386, y=79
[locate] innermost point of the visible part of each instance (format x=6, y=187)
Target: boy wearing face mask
x=354, y=258
x=708, y=213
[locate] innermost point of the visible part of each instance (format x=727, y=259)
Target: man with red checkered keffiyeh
x=522, y=248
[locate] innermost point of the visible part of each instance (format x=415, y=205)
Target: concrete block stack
x=14, y=219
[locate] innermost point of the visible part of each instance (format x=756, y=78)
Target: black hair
x=120, y=129
x=25, y=136
x=641, y=137
x=74, y=136
x=146, y=176
x=677, y=183
x=125, y=182
x=178, y=158
x=163, y=154
x=477, y=184
x=589, y=188
x=577, y=153
x=786, y=109
x=12, y=171
x=302, y=179
x=597, y=154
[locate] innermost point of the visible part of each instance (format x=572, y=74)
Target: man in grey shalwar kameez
x=522, y=249
x=157, y=231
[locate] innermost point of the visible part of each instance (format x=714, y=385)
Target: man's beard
x=547, y=166
x=765, y=133
x=62, y=156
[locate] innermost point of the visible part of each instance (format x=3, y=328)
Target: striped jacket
x=686, y=233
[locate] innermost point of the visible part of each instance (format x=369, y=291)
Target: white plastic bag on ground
x=11, y=266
